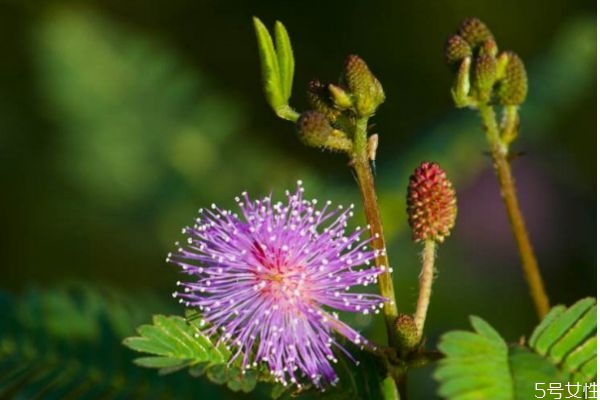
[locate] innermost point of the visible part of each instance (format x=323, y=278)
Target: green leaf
x=175, y=344
x=561, y=322
x=567, y=337
x=235, y=379
x=527, y=369
x=285, y=56
x=482, y=365
x=269, y=65
x=65, y=343
x=277, y=67
x=551, y=316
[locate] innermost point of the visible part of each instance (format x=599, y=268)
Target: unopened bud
x=489, y=47
x=407, y=333
x=501, y=63
x=430, y=203
x=475, y=32
x=364, y=86
x=462, y=84
x=315, y=130
x=484, y=76
x=513, y=84
x=319, y=100
x=340, y=98
x=456, y=49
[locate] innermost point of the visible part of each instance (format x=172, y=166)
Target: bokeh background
x=118, y=120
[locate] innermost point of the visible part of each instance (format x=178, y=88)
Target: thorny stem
x=425, y=283
x=508, y=192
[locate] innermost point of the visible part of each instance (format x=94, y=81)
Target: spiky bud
x=430, y=203
x=475, y=32
x=407, y=333
x=513, y=84
x=484, y=76
x=456, y=49
x=319, y=100
x=315, y=130
x=364, y=86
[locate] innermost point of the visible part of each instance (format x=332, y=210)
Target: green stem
x=509, y=125
x=366, y=183
x=362, y=168
x=425, y=284
x=507, y=190
x=389, y=390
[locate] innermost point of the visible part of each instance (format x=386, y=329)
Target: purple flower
x=263, y=281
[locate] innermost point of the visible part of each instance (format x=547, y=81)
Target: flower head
x=263, y=279
x=430, y=203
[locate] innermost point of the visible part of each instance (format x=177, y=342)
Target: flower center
x=278, y=279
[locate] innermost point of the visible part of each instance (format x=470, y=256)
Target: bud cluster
x=483, y=75
x=334, y=108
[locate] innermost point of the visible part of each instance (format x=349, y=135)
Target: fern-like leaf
x=65, y=343
x=174, y=344
x=566, y=337
x=481, y=365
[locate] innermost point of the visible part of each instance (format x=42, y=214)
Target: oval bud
x=489, y=47
x=484, y=76
x=364, y=86
x=319, y=100
x=475, y=32
x=430, y=203
x=313, y=128
x=407, y=333
x=456, y=49
x=513, y=85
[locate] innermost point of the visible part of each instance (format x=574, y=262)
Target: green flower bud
x=315, y=130
x=430, y=203
x=484, y=76
x=364, y=86
x=407, y=333
x=319, y=100
x=501, y=63
x=513, y=84
x=489, y=47
x=475, y=32
x=462, y=84
x=456, y=49
x=340, y=98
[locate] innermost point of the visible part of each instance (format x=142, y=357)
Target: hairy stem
x=425, y=283
x=366, y=183
x=508, y=192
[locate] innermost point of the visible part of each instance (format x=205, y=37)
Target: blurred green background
x=118, y=120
